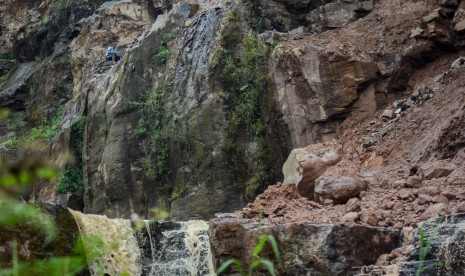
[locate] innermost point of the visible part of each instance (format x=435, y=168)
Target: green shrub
x=162, y=54
x=70, y=181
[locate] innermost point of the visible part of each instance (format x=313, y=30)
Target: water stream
x=117, y=246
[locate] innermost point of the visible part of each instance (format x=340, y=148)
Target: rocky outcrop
x=315, y=90
x=305, y=248
x=444, y=256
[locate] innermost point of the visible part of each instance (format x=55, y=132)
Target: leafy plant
x=162, y=54
x=71, y=179
x=256, y=259
x=426, y=247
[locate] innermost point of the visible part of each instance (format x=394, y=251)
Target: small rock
x=441, y=199
x=413, y=182
x=388, y=113
x=353, y=205
x=435, y=210
x=416, y=32
x=424, y=199
x=460, y=207
x=438, y=169
x=328, y=202
x=298, y=30
x=460, y=26
x=460, y=62
x=370, y=219
x=350, y=217
x=429, y=190
x=449, y=194
x=398, y=206
x=399, y=183
x=383, y=184
x=432, y=16
x=404, y=194
x=389, y=205
x=389, y=221
x=399, y=103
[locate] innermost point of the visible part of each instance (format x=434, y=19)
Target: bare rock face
x=285, y=15
x=306, y=249
x=304, y=165
x=339, y=189
x=315, y=90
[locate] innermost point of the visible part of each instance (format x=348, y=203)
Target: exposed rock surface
x=306, y=248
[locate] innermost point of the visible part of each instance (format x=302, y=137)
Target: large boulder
x=306, y=248
x=304, y=165
x=338, y=188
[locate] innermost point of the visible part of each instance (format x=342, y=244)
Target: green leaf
x=267, y=264
x=8, y=180
x=274, y=245
x=260, y=245
x=25, y=178
x=46, y=172
x=226, y=264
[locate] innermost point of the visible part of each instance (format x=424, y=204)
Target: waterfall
x=183, y=251
x=118, y=246
x=111, y=242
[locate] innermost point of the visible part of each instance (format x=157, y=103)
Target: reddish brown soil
x=426, y=133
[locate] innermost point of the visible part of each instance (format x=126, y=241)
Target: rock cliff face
x=209, y=99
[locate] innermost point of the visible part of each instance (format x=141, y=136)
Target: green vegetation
x=5, y=74
x=44, y=132
x=163, y=53
x=60, y=5
x=231, y=16
x=14, y=177
x=425, y=248
x=244, y=76
x=150, y=127
x=71, y=179
x=256, y=260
